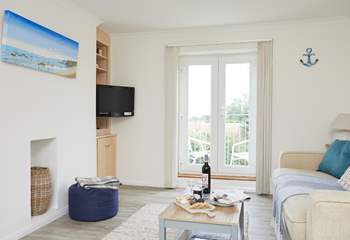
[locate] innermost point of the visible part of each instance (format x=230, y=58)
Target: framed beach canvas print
x=34, y=46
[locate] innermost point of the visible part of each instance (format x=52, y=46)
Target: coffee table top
x=224, y=215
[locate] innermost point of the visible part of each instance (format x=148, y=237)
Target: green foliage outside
x=236, y=131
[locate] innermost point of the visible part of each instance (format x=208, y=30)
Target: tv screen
x=114, y=101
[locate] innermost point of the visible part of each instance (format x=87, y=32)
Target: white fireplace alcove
x=44, y=154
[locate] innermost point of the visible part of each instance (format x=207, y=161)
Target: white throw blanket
x=292, y=184
x=99, y=182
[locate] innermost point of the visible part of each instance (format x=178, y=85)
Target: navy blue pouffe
x=92, y=204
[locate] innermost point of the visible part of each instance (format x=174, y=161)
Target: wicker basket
x=41, y=190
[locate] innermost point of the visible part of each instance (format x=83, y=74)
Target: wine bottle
x=206, y=175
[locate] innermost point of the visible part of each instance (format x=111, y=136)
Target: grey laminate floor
x=132, y=199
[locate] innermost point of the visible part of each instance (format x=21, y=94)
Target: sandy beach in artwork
x=47, y=53
x=70, y=73
x=13, y=55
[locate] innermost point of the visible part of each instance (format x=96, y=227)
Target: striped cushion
x=345, y=180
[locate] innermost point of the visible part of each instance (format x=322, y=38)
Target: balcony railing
x=236, y=145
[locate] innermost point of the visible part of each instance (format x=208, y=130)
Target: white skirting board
x=37, y=222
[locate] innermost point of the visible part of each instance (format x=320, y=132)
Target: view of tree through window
x=237, y=84
x=237, y=132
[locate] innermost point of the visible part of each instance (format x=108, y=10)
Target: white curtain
x=264, y=118
x=171, y=139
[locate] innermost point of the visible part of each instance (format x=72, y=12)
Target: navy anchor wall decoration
x=309, y=54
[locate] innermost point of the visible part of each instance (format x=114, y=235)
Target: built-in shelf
x=103, y=124
x=100, y=56
x=104, y=43
x=105, y=140
x=103, y=131
x=101, y=69
x=44, y=154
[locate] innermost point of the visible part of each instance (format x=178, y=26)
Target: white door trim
x=217, y=133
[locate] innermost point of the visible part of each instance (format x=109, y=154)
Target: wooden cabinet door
x=106, y=156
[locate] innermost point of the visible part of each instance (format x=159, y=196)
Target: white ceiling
x=152, y=15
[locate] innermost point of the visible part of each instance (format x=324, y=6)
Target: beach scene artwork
x=34, y=46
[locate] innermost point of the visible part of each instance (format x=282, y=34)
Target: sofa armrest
x=301, y=160
x=328, y=215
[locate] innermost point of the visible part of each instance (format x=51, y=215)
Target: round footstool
x=92, y=204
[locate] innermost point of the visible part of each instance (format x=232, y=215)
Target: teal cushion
x=337, y=158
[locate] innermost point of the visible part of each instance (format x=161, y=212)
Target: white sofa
x=322, y=215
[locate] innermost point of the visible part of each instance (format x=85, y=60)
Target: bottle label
x=205, y=180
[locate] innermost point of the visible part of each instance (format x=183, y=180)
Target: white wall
x=37, y=105
x=305, y=100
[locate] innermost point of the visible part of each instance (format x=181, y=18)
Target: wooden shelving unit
x=102, y=58
x=101, y=69
x=99, y=56
x=105, y=140
x=103, y=124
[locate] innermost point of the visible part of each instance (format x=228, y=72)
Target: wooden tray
x=187, y=208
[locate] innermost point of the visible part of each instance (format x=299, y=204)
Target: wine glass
x=190, y=185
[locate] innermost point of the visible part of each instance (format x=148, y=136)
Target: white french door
x=217, y=98
x=198, y=112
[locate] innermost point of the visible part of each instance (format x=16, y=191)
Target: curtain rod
x=215, y=43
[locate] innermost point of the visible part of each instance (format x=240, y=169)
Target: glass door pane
x=237, y=79
x=198, y=120
x=237, y=96
x=199, y=113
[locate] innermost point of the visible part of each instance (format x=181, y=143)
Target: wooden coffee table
x=227, y=220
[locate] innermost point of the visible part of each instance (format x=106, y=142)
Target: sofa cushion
x=337, y=158
x=295, y=209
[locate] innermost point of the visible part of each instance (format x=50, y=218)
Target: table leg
x=234, y=233
x=162, y=230
x=185, y=235
x=241, y=222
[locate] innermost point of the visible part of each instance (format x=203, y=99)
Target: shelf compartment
x=100, y=56
x=101, y=69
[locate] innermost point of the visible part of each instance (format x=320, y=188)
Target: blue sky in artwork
x=24, y=30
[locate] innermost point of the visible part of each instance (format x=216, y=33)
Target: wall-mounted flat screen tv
x=114, y=101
